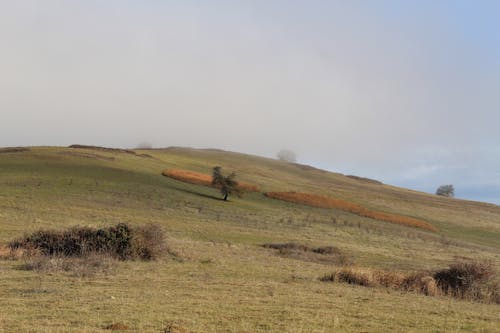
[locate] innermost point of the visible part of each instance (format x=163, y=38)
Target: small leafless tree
x=446, y=190
x=287, y=156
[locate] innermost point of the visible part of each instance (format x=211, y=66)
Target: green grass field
x=222, y=280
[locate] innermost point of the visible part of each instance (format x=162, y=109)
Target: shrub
x=446, y=191
x=467, y=279
x=120, y=241
x=328, y=202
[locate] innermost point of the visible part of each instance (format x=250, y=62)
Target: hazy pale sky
x=407, y=92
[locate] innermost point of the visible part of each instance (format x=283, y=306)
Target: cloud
x=355, y=87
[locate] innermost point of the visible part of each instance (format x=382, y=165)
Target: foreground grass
x=214, y=290
x=226, y=282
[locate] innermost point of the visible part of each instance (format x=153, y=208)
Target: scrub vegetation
x=254, y=264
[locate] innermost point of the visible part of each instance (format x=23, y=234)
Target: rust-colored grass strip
x=193, y=177
x=328, y=202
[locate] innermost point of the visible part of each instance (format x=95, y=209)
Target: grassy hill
x=222, y=279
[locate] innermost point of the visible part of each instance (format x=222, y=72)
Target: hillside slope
x=226, y=282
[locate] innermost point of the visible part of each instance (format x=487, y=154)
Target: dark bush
x=465, y=279
x=120, y=241
x=284, y=247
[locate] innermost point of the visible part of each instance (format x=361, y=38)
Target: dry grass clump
x=117, y=327
x=193, y=177
x=120, y=241
x=328, y=202
x=86, y=266
x=325, y=254
x=416, y=282
x=173, y=327
x=465, y=280
x=6, y=253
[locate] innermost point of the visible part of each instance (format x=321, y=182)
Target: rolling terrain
x=221, y=278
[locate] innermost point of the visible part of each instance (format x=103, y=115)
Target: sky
x=406, y=92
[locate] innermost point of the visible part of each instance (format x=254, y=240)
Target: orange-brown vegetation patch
x=7, y=253
x=328, y=202
x=202, y=179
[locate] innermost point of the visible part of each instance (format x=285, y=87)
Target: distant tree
x=144, y=145
x=227, y=184
x=446, y=190
x=287, y=156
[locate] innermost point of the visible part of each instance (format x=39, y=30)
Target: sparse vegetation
x=327, y=202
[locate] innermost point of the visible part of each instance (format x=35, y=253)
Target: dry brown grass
x=7, y=253
x=116, y=327
x=87, y=266
x=463, y=280
x=328, y=202
x=415, y=282
x=202, y=179
x=173, y=327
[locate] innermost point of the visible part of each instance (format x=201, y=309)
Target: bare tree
x=446, y=191
x=287, y=156
x=144, y=145
x=226, y=184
